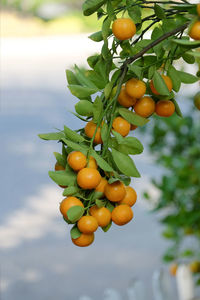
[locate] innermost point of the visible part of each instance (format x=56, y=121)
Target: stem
x=154, y=43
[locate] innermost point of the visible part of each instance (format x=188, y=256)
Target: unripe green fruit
x=197, y=100
x=84, y=108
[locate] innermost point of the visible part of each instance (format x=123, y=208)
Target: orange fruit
x=115, y=191
x=102, y=215
x=173, y=269
x=92, y=163
x=124, y=99
x=135, y=88
x=195, y=266
x=121, y=126
x=76, y=160
x=67, y=203
x=133, y=127
x=165, y=108
x=123, y=29
x=58, y=167
x=87, y=224
x=167, y=81
x=130, y=196
x=101, y=186
x=88, y=178
x=197, y=100
x=194, y=32
x=84, y=240
x=90, y=130
x=145, y=107
x=122, y=214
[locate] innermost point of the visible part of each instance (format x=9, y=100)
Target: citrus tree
x=133, y=77
x=179, y=187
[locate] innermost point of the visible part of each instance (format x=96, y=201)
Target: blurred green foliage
x=175, y=145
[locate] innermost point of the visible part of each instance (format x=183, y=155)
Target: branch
x=154, y=43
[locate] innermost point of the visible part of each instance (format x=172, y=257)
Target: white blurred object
x=136, y=290
x=111, y=294
x=85, y=298
x=162, y=289
x=185, y=284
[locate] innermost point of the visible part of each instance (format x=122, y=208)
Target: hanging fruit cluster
x=128, y=82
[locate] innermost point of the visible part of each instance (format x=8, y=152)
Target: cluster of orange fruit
x=88, y=178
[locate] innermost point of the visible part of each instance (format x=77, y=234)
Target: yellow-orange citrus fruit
x=122, y=214
x=194, y=32
x=145, y=107
x=87, y=224
x=124, y=99
x=130, y=196
x=90, y=130
x=195, y=266
x=101, y=186
x=102, y=215
x=121, y=126
x=135, y=88
x=67, y=203
x=197, y=100
x=165, y=108
x=173, y=269
x=115, y=191
x=123, y=29
x=84, y=240
x=133, y=127
x=198, y=9
x=76, y=160
x=59, y=167
x=88, y=178
x=167, y=81
x=92, y=163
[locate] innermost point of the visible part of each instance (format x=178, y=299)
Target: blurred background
x=39, y=40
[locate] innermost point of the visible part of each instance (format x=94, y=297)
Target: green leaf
x=159, y=84
x=101, y=162
x=132, y=117
x=91, y=6
x=100, y=203
x=63, y=178
x=75, y=213
x=97, y=109
x=104, y=132
x=151, y=71
x=106, y=28
x=83, y=79
x=189, y=58
x=125, y=164
x=75, y=232
x=110, y=206
x=92, y=60
x=159, y=11
x=173, y=74
x=134, y=12
x=97, y=195
x=71, y=190
x=177, y=108
x=106, y=228
x=71, y=78
x=130, y=145
x=194, y=53
x=187, y=43
x=72, y=135
x=81, y=92
x=84, y=108
x=75, y=146
x=97, y=36
x=108, y=89
x=60, y=159
x=53, y=136
x=96, y=78
x=187, y=77
x=156, y=33
x=138, y=71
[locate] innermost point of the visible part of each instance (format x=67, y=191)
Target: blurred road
x=38, y=260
